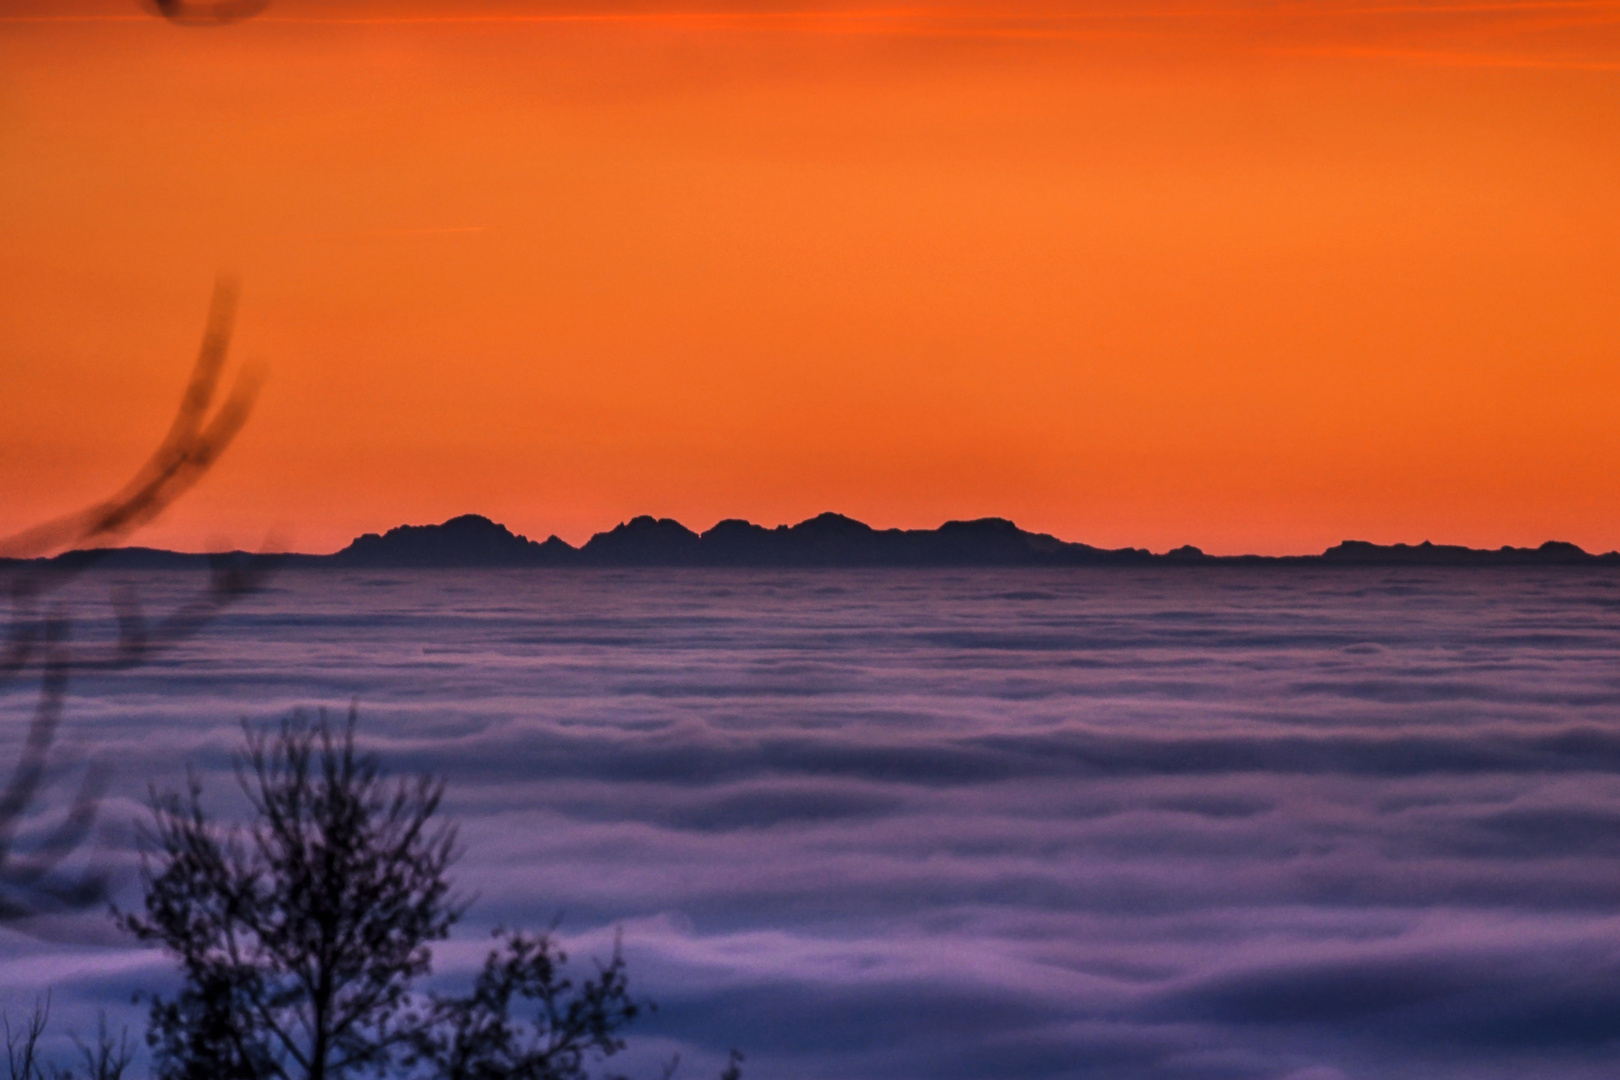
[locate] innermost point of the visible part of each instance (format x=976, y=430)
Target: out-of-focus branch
x=22, y=635
x=213, y=13
x=29, y=880
x=191, y=446
x=26, y=887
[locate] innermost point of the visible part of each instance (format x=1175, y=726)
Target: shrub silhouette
x=300, y=938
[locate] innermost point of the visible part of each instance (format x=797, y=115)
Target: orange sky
x=1257, y=277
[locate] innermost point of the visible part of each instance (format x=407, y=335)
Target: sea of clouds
x=1124, y=823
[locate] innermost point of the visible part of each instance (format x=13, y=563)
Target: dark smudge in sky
x=1135, y=824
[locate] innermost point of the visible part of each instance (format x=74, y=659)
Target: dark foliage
x=478, y=1038
x=300, y=938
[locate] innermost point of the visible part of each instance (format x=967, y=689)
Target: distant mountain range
x=830, y=540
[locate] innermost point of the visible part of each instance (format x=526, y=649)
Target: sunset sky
x=1251, y=276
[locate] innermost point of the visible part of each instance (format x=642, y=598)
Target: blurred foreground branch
x=193, y=443
x=213, y=13
x=38, y=643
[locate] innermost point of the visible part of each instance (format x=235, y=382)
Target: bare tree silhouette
x=105, y=1059
x=302, y=935
x=38, y=643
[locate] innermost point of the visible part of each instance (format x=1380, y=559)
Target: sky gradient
x=1252, y=277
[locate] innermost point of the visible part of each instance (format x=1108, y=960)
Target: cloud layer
x=1135, y=824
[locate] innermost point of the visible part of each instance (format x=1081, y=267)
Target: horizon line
x=1192, y=551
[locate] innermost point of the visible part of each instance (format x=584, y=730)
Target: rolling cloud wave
x=1135, y=824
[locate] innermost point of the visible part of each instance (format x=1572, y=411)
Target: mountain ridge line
x=828, y=540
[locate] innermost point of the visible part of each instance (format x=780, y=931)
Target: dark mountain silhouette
x=835, y=540
x=1552, y=553
x=468, y=540
x=644, y=541
x=829, y=540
